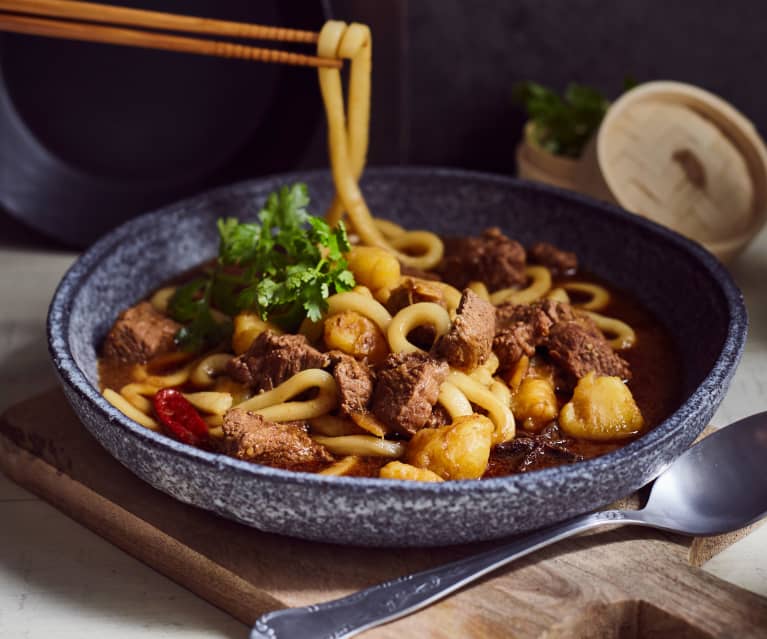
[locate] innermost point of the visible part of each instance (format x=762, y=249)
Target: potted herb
x=558, y=129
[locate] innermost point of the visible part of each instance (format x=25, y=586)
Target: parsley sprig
x=563, y=124
x=284, y=268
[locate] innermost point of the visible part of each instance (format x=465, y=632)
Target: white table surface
x=57, y=579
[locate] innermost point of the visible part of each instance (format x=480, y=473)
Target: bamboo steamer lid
x=687, y=159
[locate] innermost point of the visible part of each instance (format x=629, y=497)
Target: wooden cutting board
x=626, y=582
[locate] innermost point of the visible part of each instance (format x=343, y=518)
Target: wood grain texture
x=621, y=583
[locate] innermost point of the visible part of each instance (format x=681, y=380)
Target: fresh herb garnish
x=284, y=268
x=191, y=305
x=562, y=124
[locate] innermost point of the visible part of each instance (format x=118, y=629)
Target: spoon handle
x=398, y=597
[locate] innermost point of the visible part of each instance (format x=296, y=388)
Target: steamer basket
x=678, y=155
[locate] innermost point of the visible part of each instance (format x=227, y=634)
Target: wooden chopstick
x=93, y=12
x=149, y=40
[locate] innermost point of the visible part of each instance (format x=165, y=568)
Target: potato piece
x=602, y=408
x=356, y=335
x=534, y=405
x=398, y=470
x=374, y=267
x=247, y=327
x=457, y=451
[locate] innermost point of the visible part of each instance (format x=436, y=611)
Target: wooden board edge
x=702, y=549
x=135, y=536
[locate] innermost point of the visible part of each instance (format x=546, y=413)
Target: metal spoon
x=718, y=485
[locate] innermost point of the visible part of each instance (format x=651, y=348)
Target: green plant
x=562, y=124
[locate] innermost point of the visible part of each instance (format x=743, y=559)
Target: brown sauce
x=656, y=387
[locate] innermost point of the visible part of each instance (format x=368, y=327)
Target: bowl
x=680, y=282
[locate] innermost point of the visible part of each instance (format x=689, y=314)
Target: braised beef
x=521, y=328
x=287, y=445
x=528, y=452
x=573, y=341
x=492, y=258
x=469, y=341
x=274, y=358
x=406, y=390
x=541, y=314
x=439, y=417
x=139, y=334
x=413, y=291
x=578, y=350
x=559, y=262
x=354, y=381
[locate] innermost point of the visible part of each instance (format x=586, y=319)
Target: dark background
x=444, y=70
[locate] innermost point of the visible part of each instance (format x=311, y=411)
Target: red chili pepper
x=177, y=415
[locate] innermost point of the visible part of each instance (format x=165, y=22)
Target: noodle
x=412, y=316
x=480, y=289
x=362, y=445
x=499, y=413
x=388, y=228
x=342, y=467
x=210, y=402
x=625, y=337
x=599, y=298
x=558, y=295
x=539, y=285
x=348, y=146
x=273, y=404
x=129, y=410
x=137, y=392
x=331, y=426
x=202, y=375
x=454, y=401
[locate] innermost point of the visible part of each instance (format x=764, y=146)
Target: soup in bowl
x=543, y=461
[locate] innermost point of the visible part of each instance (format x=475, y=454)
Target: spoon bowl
x=716, y=486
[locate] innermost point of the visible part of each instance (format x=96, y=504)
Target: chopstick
x=93, y=12
x=147, y=39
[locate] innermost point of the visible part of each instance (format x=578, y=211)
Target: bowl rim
x=718, y=376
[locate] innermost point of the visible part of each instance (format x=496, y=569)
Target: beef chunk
x=139, y=334
x=530, y=451
x=573, y=341
x=250, y=437
x=523, y=327
x=492, y=258
x=354, y=381
x=559, y=262
x=542, y=314
x=469, y=341
x=439, y=417
x=512, y=343
x=407, y=389
x=274, y=358
x=412, y=291
x=579, y=350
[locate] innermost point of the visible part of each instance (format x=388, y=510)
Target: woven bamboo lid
x=685, y=158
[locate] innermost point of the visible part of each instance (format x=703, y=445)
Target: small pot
x=536, y=163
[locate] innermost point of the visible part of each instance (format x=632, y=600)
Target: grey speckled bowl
x=675, y=278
